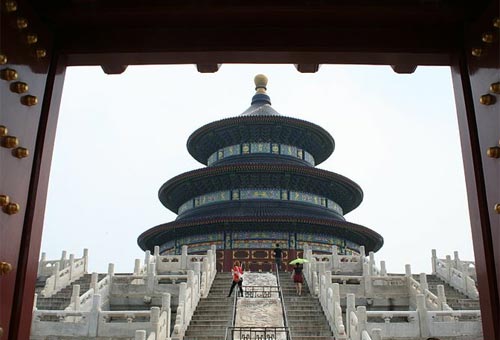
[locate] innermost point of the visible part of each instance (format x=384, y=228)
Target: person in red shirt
x=237, y=272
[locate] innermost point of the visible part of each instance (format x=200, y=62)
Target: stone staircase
x=306, y=320
x=62, y=299
x=213, y=314
x=454, y=298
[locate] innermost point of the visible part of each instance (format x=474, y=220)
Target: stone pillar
x=335, y=258
x=190, y=284
x=56, y=274
x=372, y=263
x=75, y=298
x=165, y=306
x=63, y=259
x=137, y=266
x=156, y=253
x=35, y=300
x=449, y=266
x=41, y=264
x=361, y=314
x=93, y=282
x=456, y=260
x=383, y=270
x=407, y=270
x=441, y=295
x=140, y=335
x=147, y=258
x=94, y=316
x=434, y=261
x=423, y=281
x=155, y=320
x=111, y=273
x=85, y=260
x=376, y=334
x=71, y=264
x=367, y=279
x=182, y=300
x=151, y=278
x=197, y=273
x=351, y=302
x=184, y=260
x=422, y=316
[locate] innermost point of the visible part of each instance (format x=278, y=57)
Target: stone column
x=155, y=320
x=383, y=270
x=63, y=259
x=94, y=316
x=71, y=264
x=111, y=273
x=372, y=263
x=182, y=301
x=184, y=260
x=449, y=266
x=423, y=281
x=407, y=270
x=335, y=258
x=361, y=314
x=351, y=307
x=376, y=334
x=140, y=335
x=85, y=260
x=434, y=261
x=75, y=298
x=56, y=275
x=137, y=266
x=441, y=295
x=422, y=316
x=147, y=258
x=367, y=280
x=151, y=278
x=93, y=282
x=41, y=264
x=165, y=306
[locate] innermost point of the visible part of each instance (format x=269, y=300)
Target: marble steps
x=62, y=299
x=214, y=313
x=455, y=299
x=305, y=317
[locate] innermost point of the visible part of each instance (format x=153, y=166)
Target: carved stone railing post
x=35, y=300
x=383, y=270
x=111, y=272
x=362, y=318
x=434, y=261
x=165, y=306
x=94, y=315
x=155, y=320
x=137, y=266
x=71, y=266
x=85, y=260
x=184, y=255
x=422, y=316
x=351, y=301
x=147, y=258
x=335, y=259
x=63, y=259
x=75, y=298
x=449, y=267
x=151, y=278
x=441, y=295
x=156, y=253
x=423, y=281
x=362, y=253
x=55, y=273
x=367, y=279
x=407, y=270
x=140, y=335
x=93, y=282
x=41, y=263
x=376, y=334
x=371, y=263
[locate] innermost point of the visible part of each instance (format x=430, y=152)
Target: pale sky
x=121, y=137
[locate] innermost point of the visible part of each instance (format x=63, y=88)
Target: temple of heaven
x=260, y=187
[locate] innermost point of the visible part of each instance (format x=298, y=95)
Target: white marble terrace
x=361, y=301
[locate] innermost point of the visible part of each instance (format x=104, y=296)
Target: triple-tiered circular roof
x=326, y=196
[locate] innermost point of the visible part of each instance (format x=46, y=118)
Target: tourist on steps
x=298, y=278
x=277, y=256
x=237, y=272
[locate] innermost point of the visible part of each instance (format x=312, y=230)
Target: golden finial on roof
x=260, y=81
